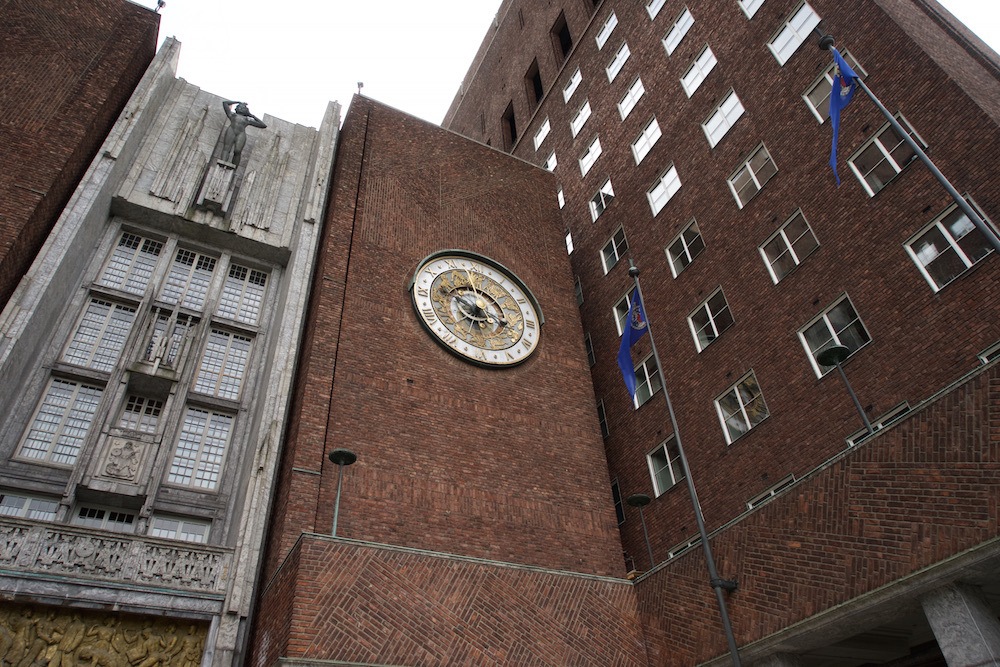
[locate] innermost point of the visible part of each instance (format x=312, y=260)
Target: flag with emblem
x=635, y=328
x=845, y=83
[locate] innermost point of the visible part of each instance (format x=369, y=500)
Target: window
x=750, y=7
x=533, y=84
x=653, y=7
x=569, y=242
x=551, y=162
x=578, y=121
x=140, y=414
x=118, y=521
x=891, y=417
x=27, y=507
x=741, y=408
x=678, y=30
x=201, y=447
x=131, y=263
x=170, y=337
x=990, y=354
x=837, y=325
x=817, y=96
x=647, y=377
x=606, y=30
x=621, y=311
x=242, y=294
x=616, y=497
x=723, y=118
x=574, y=82
x=950, y=245
x=699, y=69
x=631, y=98
x=787, y=247
x=664, y=189
x=614, y=250
x=100, y=335
x=883, y=156
x=710, y=319
x=645, y=141
x=785, y=484
x=578, y=290
x=223, y=365
x=590, y=157
x=601, y=200
x=176, y=528
x=543, y=132
x=61, y=422
x=683, y=249
x=618, y=62
x=793, y=33
x=751, y=176
x=187, y=283
x=508, y=127
x=602, y=419
x=589, y=346
x=665, y=466
x=561, y=198
x=561, y=39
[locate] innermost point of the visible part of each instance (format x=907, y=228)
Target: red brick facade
x=66, y=78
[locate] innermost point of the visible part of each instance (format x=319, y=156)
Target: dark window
x=533, y=84
x=509, y=127
x=616, y=495
x=561, y=38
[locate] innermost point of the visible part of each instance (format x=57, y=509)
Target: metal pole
x=826, y=42
x=341, y=457
x=854, y=397
x=640, y=500
x=714, y=581
x=336, y=504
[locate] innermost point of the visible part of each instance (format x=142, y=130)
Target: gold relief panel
x=35, y=635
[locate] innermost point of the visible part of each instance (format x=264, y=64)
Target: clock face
x=476, y=308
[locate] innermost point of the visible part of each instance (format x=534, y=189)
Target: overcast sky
x=289, y=58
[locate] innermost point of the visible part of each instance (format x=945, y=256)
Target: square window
x=614, y=250
x=543, y=132
x=741, y=408
x=751, y=176
x=698, y=71
x=723, y=118
x=618, y=62
x=602, y=419
x=787, y=247
x=817, y=96
x=683, y=249
x=647, y=377
x=837, y=325
x=590, y=157
x=574, y=82
x=653, y=7
x=551, y=162
x=947, y=247
x=678, y=30
x=710, y=319
x=750, y=7
x=665, y=467
x=645, y=141
x=631, y=98
x=580, y=119
x=606, y=30
x=663, y=190
x=601, y=200
x=61, y=422
x=795, y=31
x=883, y=156
x=140, y=414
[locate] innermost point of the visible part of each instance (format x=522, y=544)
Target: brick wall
x=69, y=70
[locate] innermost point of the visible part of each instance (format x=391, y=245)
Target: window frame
x=590, y=157
x=643, y=144
x=673, y=465
x=631, y=98
x=671, y=41
x=92, y=396
x=665, y=180
x=617, y=63
x=619, y=249
x=608, y=27
x=825, y=80
x=99, y=338
x=722, y=118
x=789, y=246
x=542, y=132
x=601, y=200
x=685, y=247
x=835, y=336
x=702, y=69
x=745, y=165
x=204, y=464
x=620, y=311
x=954, y=244
x=602, y=419
x=645, y=379
x=29, y=508
x=551, y=162
x=574, y=82
x=747, y=421
x=799, y=33
x=182, y=522
x=750, y=7
x=107, y=520
x=714, y=319
x=887, y=158
x=580, y=118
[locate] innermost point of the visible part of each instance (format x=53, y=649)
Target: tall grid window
x=614, y=250
x=631, y=98
x=795, y=31
x=223, y=365
x=787, y=247
x=663, y=190
x=131, y=263
x=176, y=528
x=665, y=467
x=189, y=278
x=580, y=119
x=947, y=247
x=710, y=319
x=61, y=422
x=100, y=336
x=647, y=377
x=645, y=141
x=141, y=414
x=201, y=447
x=653, y=7
x=741, y=408
x=590, y=157
x=606, y=30
x=698, y=71
x=601, y=200
x=618, y=62
x=678, y=30
x=883, y=156
x=242, y=294
x=817, y=96
x=542, y=132
x=723, y=118
x=28, y=507
x=837, y=325
x=750, y=7
x=574, y=82
x=683, y=249
x=751, y=176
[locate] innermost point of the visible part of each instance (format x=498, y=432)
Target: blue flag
x=845, y=82
x=635, y=328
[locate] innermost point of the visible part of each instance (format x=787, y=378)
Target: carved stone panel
x=217, y=192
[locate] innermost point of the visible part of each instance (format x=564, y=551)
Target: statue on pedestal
x=235, y=137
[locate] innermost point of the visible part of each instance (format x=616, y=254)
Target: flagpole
x=714, y=580
x=826, y=43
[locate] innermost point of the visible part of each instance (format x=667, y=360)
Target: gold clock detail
x=476, y=308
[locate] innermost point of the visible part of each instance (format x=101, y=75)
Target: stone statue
x=235, y=137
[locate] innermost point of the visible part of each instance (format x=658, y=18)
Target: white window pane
x=187, y=283
x=750, y=7
x=794, y=33
x=543, y=132
x=654, y=7
x=572, y=84
x=100, y=336
x=61, y=422
x=663, y=190
x=678, y=30
x=590, y=157
x=223, y=365
x=724, y=117
x=619, y=62
x=606, y=30
x=631, y=98
x=580, y=119
x=645, y=142
x=699, y=70
x=242, y=294
x=131, y=263
x=201, y=447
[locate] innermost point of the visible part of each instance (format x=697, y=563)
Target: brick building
x=69, y=68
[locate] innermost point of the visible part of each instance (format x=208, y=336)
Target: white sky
x=289, y=58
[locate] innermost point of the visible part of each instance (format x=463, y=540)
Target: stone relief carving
x=34, y=635
x=124, y=457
